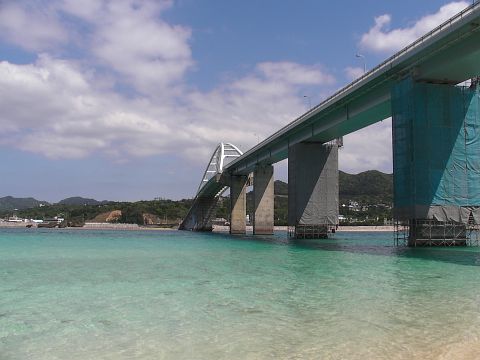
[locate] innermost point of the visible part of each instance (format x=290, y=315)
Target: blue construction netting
x=436, y=149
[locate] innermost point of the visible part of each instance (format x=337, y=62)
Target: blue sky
x=126, y=99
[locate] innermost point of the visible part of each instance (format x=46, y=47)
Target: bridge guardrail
x=453, y=20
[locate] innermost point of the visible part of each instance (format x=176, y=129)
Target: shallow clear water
x=77, y=294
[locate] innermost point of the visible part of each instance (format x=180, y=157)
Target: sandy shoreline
x=216, y=228
x=88, y=226
x=388, y=228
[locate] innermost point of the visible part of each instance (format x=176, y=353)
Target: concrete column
x=238, y=211
x=313, y=189
x=436, y=152
x=205, y=213
x=200, y=216
x=263, y=200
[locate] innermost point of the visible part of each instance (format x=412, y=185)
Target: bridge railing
x=382, y=66
x=468, y=10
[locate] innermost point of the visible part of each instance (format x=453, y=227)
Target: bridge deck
x=447, y=54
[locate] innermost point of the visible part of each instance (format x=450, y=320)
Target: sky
x=127, y=99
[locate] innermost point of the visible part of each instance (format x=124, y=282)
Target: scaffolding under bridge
x=430, y=232
x=436, y=162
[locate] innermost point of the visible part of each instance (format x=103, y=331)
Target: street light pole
x=364, y=62
x=309, y=101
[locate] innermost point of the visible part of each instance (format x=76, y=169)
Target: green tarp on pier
x=436, y=150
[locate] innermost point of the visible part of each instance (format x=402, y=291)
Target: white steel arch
x=223, y=154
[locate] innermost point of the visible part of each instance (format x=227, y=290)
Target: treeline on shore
x=165, y=211
x=365, y=198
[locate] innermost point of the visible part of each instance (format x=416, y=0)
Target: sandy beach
x=216, y=228
x=87, y=226
x=387, y=228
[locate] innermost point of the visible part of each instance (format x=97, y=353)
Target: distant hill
x=369, y=187
x=280, y=188
x=77, y=200
x=10, y=203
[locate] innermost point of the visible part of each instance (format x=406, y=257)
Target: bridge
x=435, y=147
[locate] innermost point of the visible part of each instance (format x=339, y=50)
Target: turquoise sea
x=79, y=294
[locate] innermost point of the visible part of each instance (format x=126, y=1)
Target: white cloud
x=64, y=108
x=371, y=148
x=54, y=103
x=53, y=107
x=89, y=10
x=251, y=108
x=354, y=72
x=130, y=38
x=32, y=25
x=127, y=36
x=380, y=39
x=368, y=148
x=293, y=73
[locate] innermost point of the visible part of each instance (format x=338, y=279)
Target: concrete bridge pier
x=313, y=189
x=200, y=216
x=263, y=198
x=238, y=211
x=436, y=157
x=205, y=213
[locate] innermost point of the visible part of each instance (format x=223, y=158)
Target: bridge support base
x=436, y=233
x=263, y=198
x=436, y=152
x=205, y=213
x=309, y=231
x=200, y=215
x=430, y=232
x=238, y=211
x=313, y=189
